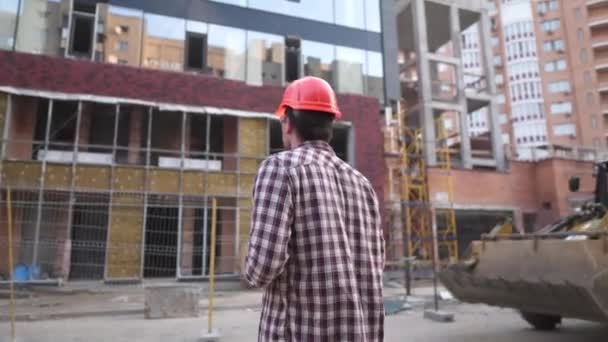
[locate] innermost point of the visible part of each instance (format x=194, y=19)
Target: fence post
x=9, y=215
x=212, y=335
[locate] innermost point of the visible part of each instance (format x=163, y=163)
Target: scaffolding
x=422, y=223
x=445, y=214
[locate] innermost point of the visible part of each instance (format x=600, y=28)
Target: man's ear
x=290, y=126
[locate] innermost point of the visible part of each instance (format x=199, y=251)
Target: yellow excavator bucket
x=561, y=275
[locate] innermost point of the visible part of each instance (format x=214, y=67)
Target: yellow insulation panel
x=247, y=182
x=129, y=179
x=164, y=181
x=194, y=183
x=250, y=165
x=124, y=247
x=252, y=137
x=58, y=176
x=221, y=184
x=21, y=174
x=93, y=177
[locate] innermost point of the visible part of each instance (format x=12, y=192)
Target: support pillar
x=465, y=137
x=427, y=119
x=495, y=132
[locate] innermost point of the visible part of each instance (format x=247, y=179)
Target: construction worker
x=316, y=243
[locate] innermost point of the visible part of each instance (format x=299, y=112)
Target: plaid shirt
x=316, y=246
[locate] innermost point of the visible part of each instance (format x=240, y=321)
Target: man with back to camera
x=316, y=242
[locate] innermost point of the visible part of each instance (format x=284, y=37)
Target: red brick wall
x=524, y=188
x=82, y=77
x=22, y=126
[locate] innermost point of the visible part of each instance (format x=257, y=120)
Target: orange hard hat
x=310, y=93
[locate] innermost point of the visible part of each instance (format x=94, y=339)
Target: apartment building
x=123, y=120
x=546, y=75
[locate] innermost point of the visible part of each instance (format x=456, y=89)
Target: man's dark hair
x=311, y=125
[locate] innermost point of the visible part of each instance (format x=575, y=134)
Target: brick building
x=120, y=130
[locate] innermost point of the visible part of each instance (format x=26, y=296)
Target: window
x=590, y=99
x=8, y=13
x=122, y=45
x=550, y=25
x=580, y=34
x=594, y=121
x=564, y=129
x=557, y=65
x=559, y=87
x=372, y=15
x=554, y=45
x=561, y=108
x=349, y=68
x=578, y=13
x=164, y=42
x=350, y=13
x=588, y=78
x=495, y=41
x=374, y=79
x=318, y=59
x=320, y=10
x=266, y=59
x=120, y=25
x=196, y=46
x=584, y=56
x=226, y=52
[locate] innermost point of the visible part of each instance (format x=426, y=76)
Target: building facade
x=124, y=120
x=546, y=75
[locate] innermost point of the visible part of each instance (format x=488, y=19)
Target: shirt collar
x=317, y=144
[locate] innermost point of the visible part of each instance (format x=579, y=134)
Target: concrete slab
x=439, y=316
x=163, y=302
x=213, y=336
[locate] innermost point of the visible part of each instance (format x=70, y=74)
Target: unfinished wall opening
x=97, y=128
x=196, y=51
x=293, y=55
x=341, y=142
x=81, y=35
x=160, y=251
x=132, y=139
x=62, y=132
x=89, y=236
x=166, y=139
x=276, y=139
x=473, y=223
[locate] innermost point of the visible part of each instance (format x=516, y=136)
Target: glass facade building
x=260, y=42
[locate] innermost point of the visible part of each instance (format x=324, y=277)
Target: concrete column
x=465, y=139
x=488, y=65
x=426, y=115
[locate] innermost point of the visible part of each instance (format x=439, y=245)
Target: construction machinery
x=559, y=272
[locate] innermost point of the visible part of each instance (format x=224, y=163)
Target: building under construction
x=120, y=124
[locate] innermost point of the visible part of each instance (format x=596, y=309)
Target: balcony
x=603, y=87
x=592, y=3
x=601, y=64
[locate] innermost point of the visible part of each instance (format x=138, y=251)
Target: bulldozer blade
x=553, y=277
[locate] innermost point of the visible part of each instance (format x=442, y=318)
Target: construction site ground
x=116, y=314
